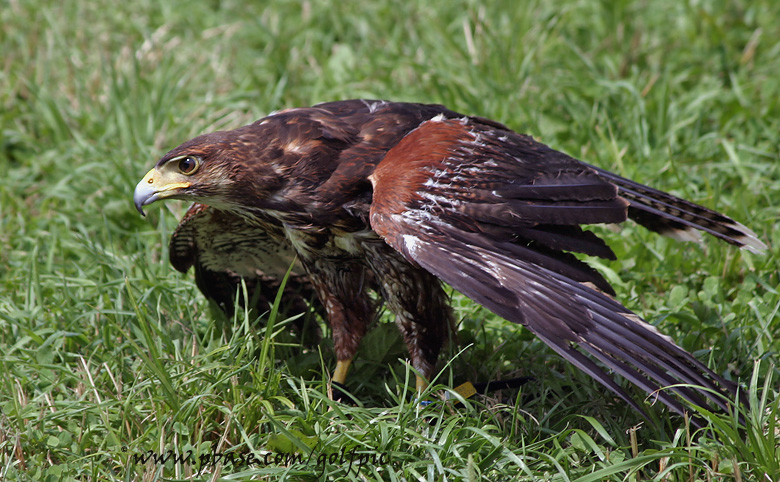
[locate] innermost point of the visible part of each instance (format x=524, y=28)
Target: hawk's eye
x=188, y=165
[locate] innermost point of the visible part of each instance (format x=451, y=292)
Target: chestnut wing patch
x=506, y=186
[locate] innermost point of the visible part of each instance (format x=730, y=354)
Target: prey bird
x=400, y=197
x=229, y=256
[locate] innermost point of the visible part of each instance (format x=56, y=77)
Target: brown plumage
x=400, y=196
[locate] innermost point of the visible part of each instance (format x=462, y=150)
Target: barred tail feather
x=680, y=219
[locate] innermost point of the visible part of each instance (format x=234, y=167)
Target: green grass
x=107, y=353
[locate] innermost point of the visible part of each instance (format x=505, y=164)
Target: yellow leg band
x=465, y=390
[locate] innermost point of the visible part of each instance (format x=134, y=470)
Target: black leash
x=465, y=390
x=469, y=389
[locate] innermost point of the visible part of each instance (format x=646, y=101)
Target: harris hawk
x=401, y=197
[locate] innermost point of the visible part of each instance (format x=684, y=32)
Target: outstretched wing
x=489, y=212
x=224, y=250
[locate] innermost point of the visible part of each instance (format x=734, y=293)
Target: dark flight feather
x=561, y=312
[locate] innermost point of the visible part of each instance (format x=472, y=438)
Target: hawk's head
x=222, y=169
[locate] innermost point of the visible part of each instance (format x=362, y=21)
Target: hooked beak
x=153, y=188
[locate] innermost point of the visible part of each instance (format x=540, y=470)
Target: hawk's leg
x=342, y=287
x=342, y=367
x=419, y=303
